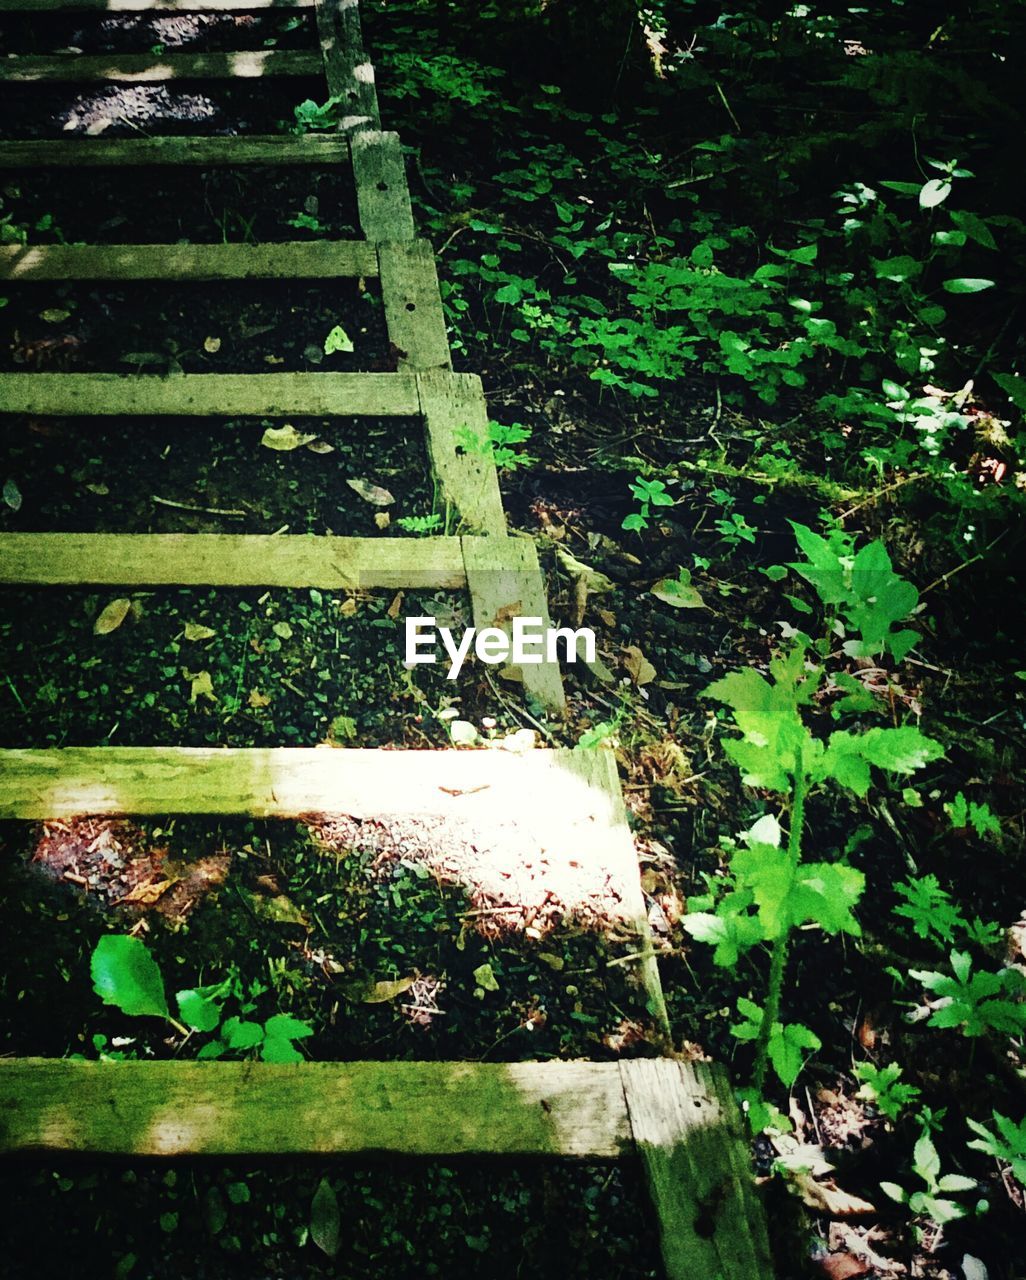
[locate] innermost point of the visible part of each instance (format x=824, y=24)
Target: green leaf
x=325, y=1220
x=279, y=1049
x=901, y=750
x=967, y=284
x=974, y=227
x=283, y=1025
x=126, y=975
x=1014, y=387
x=485, y=978
x=679, y=592
x=197, y=1011
x=337, y=341
x=933, y=193
x=239, y=1034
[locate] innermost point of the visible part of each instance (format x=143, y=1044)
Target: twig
x=723, y=99
x=964, y=565
x=207, y=511
x=518, y=711
x=910, y=479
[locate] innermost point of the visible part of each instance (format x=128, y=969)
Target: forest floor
x=384, y=958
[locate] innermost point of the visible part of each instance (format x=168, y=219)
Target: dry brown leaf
x=112, y=617
x=285, y=438
x=320, y=446
x=395, y=606
x=827, y=1197
x=348, y=607
x=638, y=666
x=145, y=895
x=843, y=1266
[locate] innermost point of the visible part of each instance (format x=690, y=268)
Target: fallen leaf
x=395, y=606
x=112, y=617
x=285, y=438
x=843, y=1266
x=679, y=592
x=320, y=446
x=201, y=685
x=348, y=607
x=371, y=492
x=212, y=346
x=274, y=359
x=147, y=894
x=282, y=630
x=595, y=581
x=101, y=490
x=55, y=315
x=337, y=341
x=485, y=979
x=827, y=1197
x=12, y=495
x=258, y=699
x=606, y=617
x=382, y=519
x=638, y=666
x=382, y=992
x=194, y=631
x=325, y=1220
x=277, y=910
x=553, y=961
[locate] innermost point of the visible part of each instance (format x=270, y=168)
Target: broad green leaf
x=679, y=592
x=112, y=617
x=769, y=874
x=279, y=1049
x=325, y=1220
x=283, y=1025
x=1014, y=387
x=126, y=975
x=901, y=750
x=825, y=893
x=974, y=227
x=485, y=978
x=967, y=284
x=239, y=1034
x=197, y=1011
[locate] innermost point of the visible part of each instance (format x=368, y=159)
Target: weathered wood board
x=382, y=196
x=235, y=153
x=413, y=305
x=686, y=1128
x=454, y=410
x=347, y=68
x=564, y=1109
x=148, y=68
x=505, y=581
x=305, y=260
x=273, y=395
x=231, y=560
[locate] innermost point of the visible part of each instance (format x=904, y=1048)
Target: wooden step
x=230, y=560
x=305, y=260
x=147, y=68
x=677, y=1118
x=227, y=395
x=229, y=152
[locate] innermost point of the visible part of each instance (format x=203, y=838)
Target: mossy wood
x=565, y=1109
x=505, y=582
x=382, y=196
x=413, y=305
x=686, y=1128
x=273, y=395
x=233, y=152
x=231, y=560
x=456, y=422
x=307, y=260
x=145, y=68
x=347, y=68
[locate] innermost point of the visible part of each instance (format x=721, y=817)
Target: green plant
x=935, y=917
x=770, y=890
x=1009, y=1143
x=310, y=115
x=499, y=444
x=975, y=1002
x=647, y=493
x=125, y=975
x=885, y=1089
x=963, y=813
x=420, y=524
x=933, y=1203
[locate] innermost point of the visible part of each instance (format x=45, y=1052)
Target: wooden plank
x=505, y=581
x=453, y=406
x=382, y=196
x=347, y=68
x=413, y=304
x=230, y=560
x=611, y=844
x=687, y=1132
x=147, y=68
x=274, y=395
x=561, y=1109
x=150, y=6
x=312, y=260
x=230, y=152
x=476, y=788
